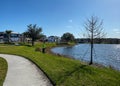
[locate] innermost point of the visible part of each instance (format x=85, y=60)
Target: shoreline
x=83, y=62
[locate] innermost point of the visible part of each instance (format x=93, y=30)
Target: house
x=14, y=37
x=3, y=37
x=53, y=39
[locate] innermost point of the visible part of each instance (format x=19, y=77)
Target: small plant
x=38, y=49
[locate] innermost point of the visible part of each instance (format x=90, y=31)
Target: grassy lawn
x=64, y=71
x=3, y=70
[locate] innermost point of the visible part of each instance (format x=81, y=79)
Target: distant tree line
x=99, y=41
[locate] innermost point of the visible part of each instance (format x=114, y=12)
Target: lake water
x=105, y=54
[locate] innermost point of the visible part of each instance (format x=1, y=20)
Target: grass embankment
x=64, y=71
x=3, y=70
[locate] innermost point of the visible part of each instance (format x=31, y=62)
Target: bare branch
x=94, y=26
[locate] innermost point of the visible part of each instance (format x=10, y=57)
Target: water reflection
x=105, y=54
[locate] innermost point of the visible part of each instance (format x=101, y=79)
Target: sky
x=59, y=16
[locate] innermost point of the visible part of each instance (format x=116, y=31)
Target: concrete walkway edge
x=22, y=72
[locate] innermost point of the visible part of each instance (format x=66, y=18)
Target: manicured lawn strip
x=66, y=72
x=3, y=70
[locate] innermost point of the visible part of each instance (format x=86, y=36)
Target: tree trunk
x=91, y=59
x=9, y=38
x=32, y=41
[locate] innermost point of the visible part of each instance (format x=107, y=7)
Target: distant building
x=14, y=37
x=2, y=35
x=53, y=39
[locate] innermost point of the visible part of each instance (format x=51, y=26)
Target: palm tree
x=8, y=32
x=34, y=32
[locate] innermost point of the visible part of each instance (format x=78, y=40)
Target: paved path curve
x=22, y=72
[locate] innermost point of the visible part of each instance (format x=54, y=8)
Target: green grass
x=3, y=70
x=64, y=71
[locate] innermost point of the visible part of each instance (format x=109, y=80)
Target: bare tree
x=94, y=29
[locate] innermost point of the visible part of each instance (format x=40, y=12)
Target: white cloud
x=116, y=31
x=70, y=20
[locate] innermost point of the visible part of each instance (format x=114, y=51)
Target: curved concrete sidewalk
x=22, y=72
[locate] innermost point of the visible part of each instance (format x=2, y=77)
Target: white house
x=53, y=39
x=14, y=37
